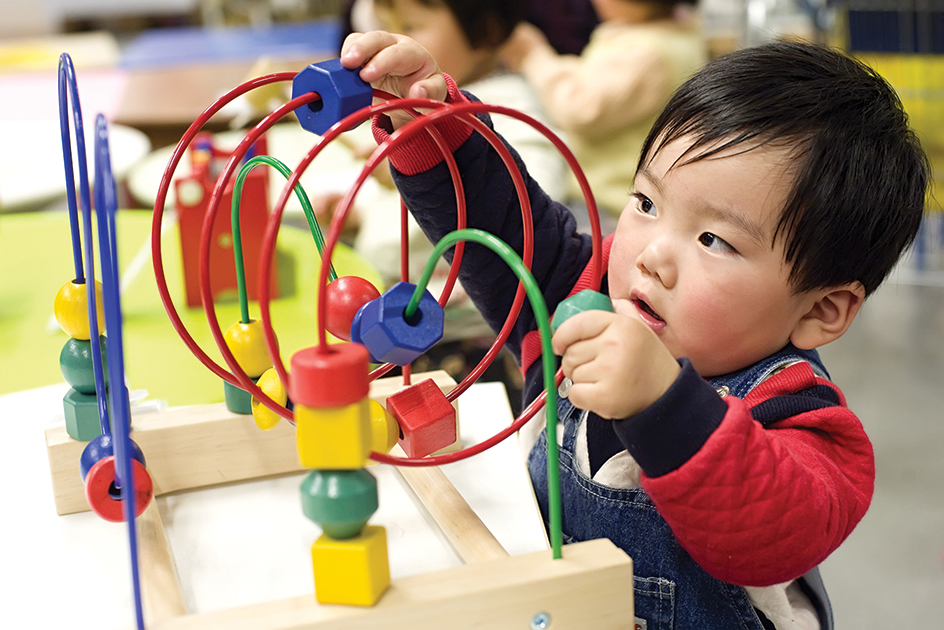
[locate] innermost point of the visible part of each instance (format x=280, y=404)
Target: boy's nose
x=654, y=260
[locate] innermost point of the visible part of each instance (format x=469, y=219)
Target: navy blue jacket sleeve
x=560, y=253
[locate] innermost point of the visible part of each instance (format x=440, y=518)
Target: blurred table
x=36, y=259
x=150, y=92
x=31, y=169
x=175, y=74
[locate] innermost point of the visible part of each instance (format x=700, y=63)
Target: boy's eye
x=714, y=242
x=644, y=204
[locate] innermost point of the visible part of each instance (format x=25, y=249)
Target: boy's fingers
x=581, y=326
x=359, y=48
x=577, y=354
x=583, y=395
x=394, y=63
x=585, y=374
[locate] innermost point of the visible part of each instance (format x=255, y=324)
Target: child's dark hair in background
x=860, y=175
x=486, y=23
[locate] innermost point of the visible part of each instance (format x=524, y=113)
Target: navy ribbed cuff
x=674, y=428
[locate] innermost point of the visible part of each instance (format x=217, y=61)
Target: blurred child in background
x=567, y=24
x=464, y=36
x=606, y=99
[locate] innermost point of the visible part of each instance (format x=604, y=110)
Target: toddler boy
x=700, y=432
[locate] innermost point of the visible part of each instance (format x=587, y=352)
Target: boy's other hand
x=618, y=366
x=394, y=64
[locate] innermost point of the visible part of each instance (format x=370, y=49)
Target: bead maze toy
x=341, y=416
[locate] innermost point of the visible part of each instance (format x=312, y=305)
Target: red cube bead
x=427, y=419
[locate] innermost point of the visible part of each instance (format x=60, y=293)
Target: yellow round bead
x=71, y=309
x=384, y=430
x=272, y=387
x=247, y=343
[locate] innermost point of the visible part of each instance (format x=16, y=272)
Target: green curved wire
x=237, y=239
x=547, y=353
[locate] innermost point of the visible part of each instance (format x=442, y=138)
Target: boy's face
x=693, y=256
x=435, y=28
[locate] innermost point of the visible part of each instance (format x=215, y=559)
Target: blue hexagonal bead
x=342, y=91
x=389, y=337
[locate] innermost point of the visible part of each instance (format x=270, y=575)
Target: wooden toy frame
x=197, y=447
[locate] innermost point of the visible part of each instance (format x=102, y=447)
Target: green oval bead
x=75, y=361
x=341, y=501
x=586, y=300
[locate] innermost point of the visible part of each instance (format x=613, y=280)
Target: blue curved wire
x=69, y=87
x=67, y=76
x=106, y=203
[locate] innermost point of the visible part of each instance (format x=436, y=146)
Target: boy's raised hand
x=394, y=64
x=618, y=366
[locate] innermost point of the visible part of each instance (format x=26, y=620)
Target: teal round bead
x=340, y=501
x=75, y=361
x=586, y=300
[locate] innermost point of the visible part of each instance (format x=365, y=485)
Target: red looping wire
x=161, y=200
x=466, y=112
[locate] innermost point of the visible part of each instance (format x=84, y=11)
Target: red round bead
x=101, y=494
x=334, y=376
x=344, y=296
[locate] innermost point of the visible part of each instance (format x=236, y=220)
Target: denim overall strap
x=671, y=591
x=740, y=383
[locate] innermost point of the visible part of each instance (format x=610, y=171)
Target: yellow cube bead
x=354, y=571
x=333, y=438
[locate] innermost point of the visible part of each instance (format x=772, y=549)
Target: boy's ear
x=829, y=317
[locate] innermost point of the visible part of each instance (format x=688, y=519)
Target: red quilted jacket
x=772, y=490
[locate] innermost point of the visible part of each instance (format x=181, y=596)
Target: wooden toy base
x=590, y=587
x=196, y=447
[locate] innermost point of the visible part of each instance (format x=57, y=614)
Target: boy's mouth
x=648, y=315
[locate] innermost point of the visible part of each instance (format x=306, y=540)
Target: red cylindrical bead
x=329, y=377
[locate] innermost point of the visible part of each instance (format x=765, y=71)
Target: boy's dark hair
x=861, y=174
x=485, y=23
